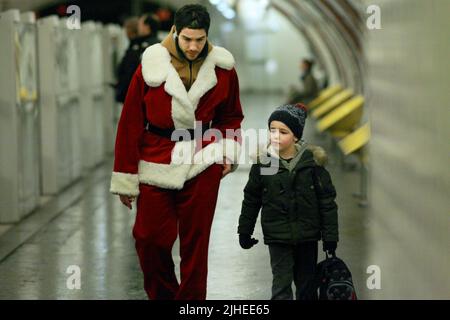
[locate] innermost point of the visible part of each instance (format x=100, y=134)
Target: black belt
x=181, y=134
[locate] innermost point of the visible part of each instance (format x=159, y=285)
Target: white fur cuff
x=231, y=150
x=126, y=184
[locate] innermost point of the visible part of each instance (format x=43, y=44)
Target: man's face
x=192, y=42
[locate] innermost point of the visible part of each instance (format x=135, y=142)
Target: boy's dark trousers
x=293, y=263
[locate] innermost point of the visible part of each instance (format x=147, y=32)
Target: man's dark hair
x=192, y=16
x=152, y=21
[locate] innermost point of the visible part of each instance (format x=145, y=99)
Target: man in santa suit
x=185, y=87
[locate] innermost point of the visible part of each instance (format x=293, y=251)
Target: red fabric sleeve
x=125, y=178
x=230, y=114
x=131, y=127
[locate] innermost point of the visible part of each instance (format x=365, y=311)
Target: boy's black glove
x=330, y=247
x=246, y=241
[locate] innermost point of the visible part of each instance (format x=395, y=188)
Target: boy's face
x=281, y=137
x=192, y=42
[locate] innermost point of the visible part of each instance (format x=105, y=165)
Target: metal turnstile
x=61, y=152
x=92, y=94
x=110, y=57
x=19, y=125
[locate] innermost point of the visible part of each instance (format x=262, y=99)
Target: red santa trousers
x=161, y=214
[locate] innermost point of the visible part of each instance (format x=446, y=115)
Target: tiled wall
x=409, y=81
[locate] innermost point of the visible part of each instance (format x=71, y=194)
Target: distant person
x=131, y=27
x=325, y=82
x=145, y=30
x=298, y=205
x=310, y=87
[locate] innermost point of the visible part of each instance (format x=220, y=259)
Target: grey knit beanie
x=292, y=115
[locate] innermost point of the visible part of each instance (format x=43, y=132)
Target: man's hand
x=226, y=167
x=127, y=200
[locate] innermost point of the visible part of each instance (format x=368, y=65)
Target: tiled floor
x=87, y=227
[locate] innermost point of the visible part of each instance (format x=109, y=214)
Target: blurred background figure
x=310, y=88
x=131, y=27
x=142, y=33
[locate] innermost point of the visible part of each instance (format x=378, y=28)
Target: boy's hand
x=246, y=241
x=330, y=247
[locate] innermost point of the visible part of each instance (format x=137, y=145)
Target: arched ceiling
x=333, y=28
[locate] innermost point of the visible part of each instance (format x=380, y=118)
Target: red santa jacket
x=145, y=157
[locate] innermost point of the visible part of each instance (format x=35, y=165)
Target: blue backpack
x=334, y=280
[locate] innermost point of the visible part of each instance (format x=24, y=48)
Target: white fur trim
x=182, y=111
x=163, y=175
x=156, y=68
x=320, y=155
x=155, y=62
x=124, y=184
x=174, y=175
x=182, y=152
x=222, y=58
x=206, y=80
x=231, y=150
x=208, y=155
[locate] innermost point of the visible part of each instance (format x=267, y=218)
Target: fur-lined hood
x=264, y=151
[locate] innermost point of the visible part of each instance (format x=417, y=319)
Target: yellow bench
x=332, y=103
x=324, y=95
x=355, y=140
x=340, y=114
x=344, y=119
x=355, y=143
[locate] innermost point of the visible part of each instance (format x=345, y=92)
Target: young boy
x=298, y=205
